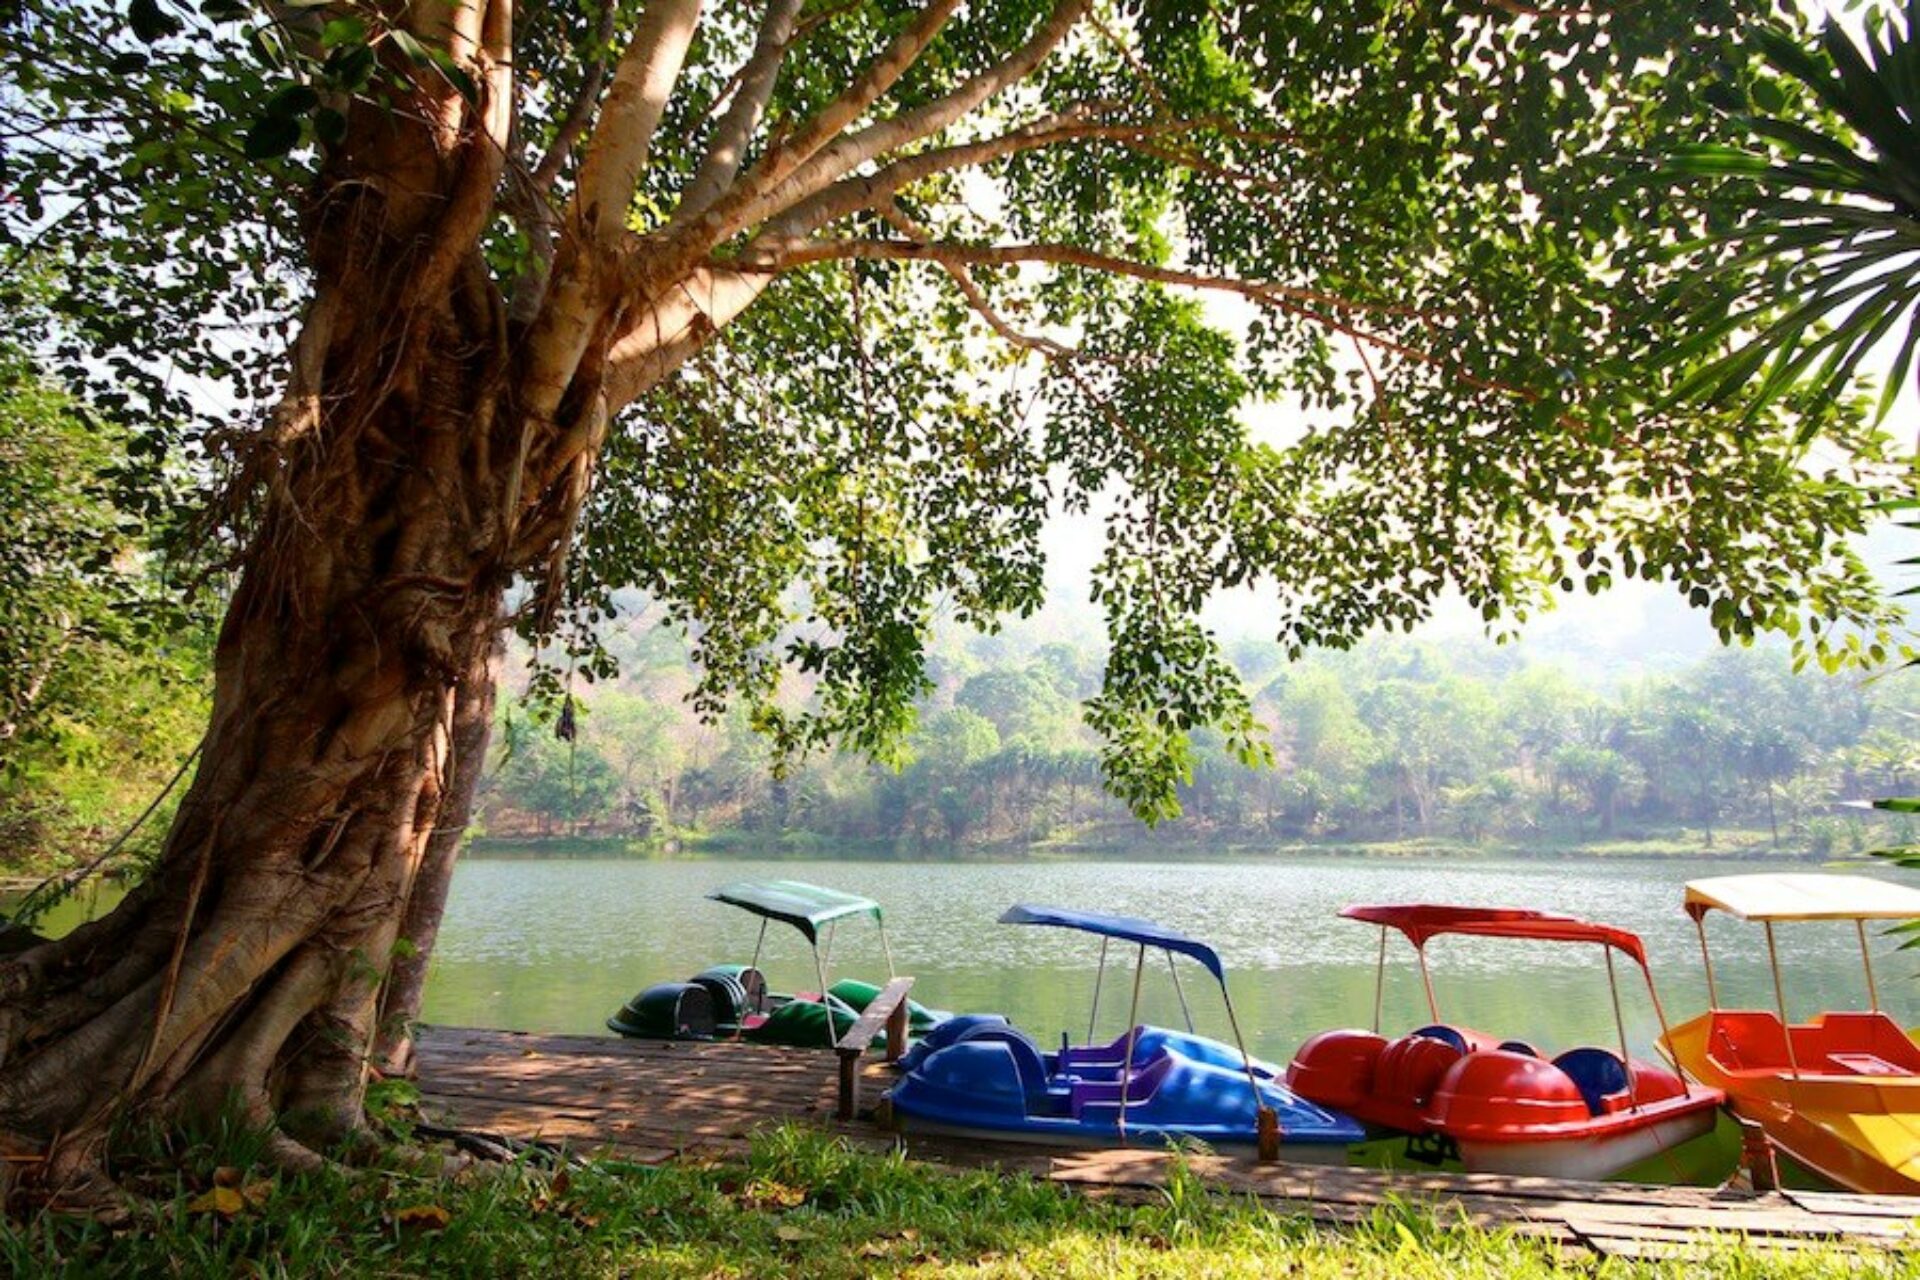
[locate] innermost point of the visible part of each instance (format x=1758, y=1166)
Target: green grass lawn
x=800, y=1205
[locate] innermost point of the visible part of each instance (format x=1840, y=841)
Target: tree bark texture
x=353, y=689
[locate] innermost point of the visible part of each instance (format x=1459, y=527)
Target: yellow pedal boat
x=1839, y=1095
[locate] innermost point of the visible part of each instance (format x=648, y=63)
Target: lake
x=555, y=944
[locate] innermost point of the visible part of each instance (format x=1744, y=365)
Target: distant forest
x=1400, y=740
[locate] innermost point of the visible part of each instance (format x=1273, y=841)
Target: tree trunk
x=407, y=983
x=352, y=680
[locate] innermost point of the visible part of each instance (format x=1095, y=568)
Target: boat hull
x=1857, y=1131
x=981, y=1078
x=1335, y=1154
x=727, y=1002
x=1587, y=1158
x=1587, y=1114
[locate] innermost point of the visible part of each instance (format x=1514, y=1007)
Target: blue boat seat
x=1028, y=1063
x=960, y=1027
x=1520, y=1047
x=1597, y=1073
x=1444, y=1034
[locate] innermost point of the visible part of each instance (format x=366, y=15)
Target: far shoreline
x=733, y=846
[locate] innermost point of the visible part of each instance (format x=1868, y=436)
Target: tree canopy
x=944, y=270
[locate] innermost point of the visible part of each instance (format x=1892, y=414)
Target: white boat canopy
x=1803, y=897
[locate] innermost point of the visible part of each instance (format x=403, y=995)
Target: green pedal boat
x=731, y=1001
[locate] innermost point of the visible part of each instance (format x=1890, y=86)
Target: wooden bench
x=889, y=1010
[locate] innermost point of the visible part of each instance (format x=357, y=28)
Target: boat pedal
x=1431, y=1149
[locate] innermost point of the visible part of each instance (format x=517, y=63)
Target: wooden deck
x=651, y=1101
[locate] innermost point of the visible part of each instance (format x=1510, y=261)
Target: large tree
x=798, y=314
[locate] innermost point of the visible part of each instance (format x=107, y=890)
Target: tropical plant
x=1833, y=163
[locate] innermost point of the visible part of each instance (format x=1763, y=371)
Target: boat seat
x=1409, y=1069
x=1598, y=1074
x=1028, y=1063
x=1876, y=1039
x=754, y=984
x=1520, y=1047
x=1866, y=1064
x=730, y=1003
x=1445, y=1035
x=1141, y=1085
x=1745, y=1040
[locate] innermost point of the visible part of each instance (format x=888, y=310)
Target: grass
x=801, y=1204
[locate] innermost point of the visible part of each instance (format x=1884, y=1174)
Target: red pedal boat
x=1588, y=1113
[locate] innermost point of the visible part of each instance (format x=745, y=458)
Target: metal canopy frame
x=1422, y=923
x=759, y=898
x=1144, y=934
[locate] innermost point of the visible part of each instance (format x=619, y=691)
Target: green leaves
x=150, y=22
x=1802, y=289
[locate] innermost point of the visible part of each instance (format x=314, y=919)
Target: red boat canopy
x=1421, y=921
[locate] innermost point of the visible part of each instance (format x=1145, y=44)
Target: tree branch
x=794, y=151
x=1309, y=304
x=661, y=335
x=618, y=147
x=736, y=128
x=764, y=196
x=580, y=110
x=485, y=137
x=1287, y=297
x=873, y=191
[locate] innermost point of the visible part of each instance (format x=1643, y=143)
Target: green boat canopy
x=804, y=906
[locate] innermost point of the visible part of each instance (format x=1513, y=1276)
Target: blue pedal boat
x=979, y=1076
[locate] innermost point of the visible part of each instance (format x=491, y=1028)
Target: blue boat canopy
x=804, y=906
x=1129, y=928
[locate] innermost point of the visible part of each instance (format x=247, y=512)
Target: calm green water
x=556, y=944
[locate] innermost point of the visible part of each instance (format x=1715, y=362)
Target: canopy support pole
x=1173, y=970
x=820, y=971
x=1666, y=1036
x=1426, y=980
x=1780, y=1002
x=831, y=924
x=1706, y=958
x=1866, y=958
x=1266, y=1120
x=1380, y=981
x=1620, y=1025
x=1093, y=1018
x=1133, y=1019
x=762, y=942
x=887, y=948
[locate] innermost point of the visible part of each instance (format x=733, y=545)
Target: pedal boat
x=731, y=1001
x=1589, y=1113
x=1838, y=1095
x=978, y=1076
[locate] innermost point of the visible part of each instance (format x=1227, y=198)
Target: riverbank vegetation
x=104, y=658
x=800, y=1205
x=1399, y=746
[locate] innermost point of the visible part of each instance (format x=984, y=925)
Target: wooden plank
x=887, y=1009
x=1899, y=1208
x=859, y=1037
